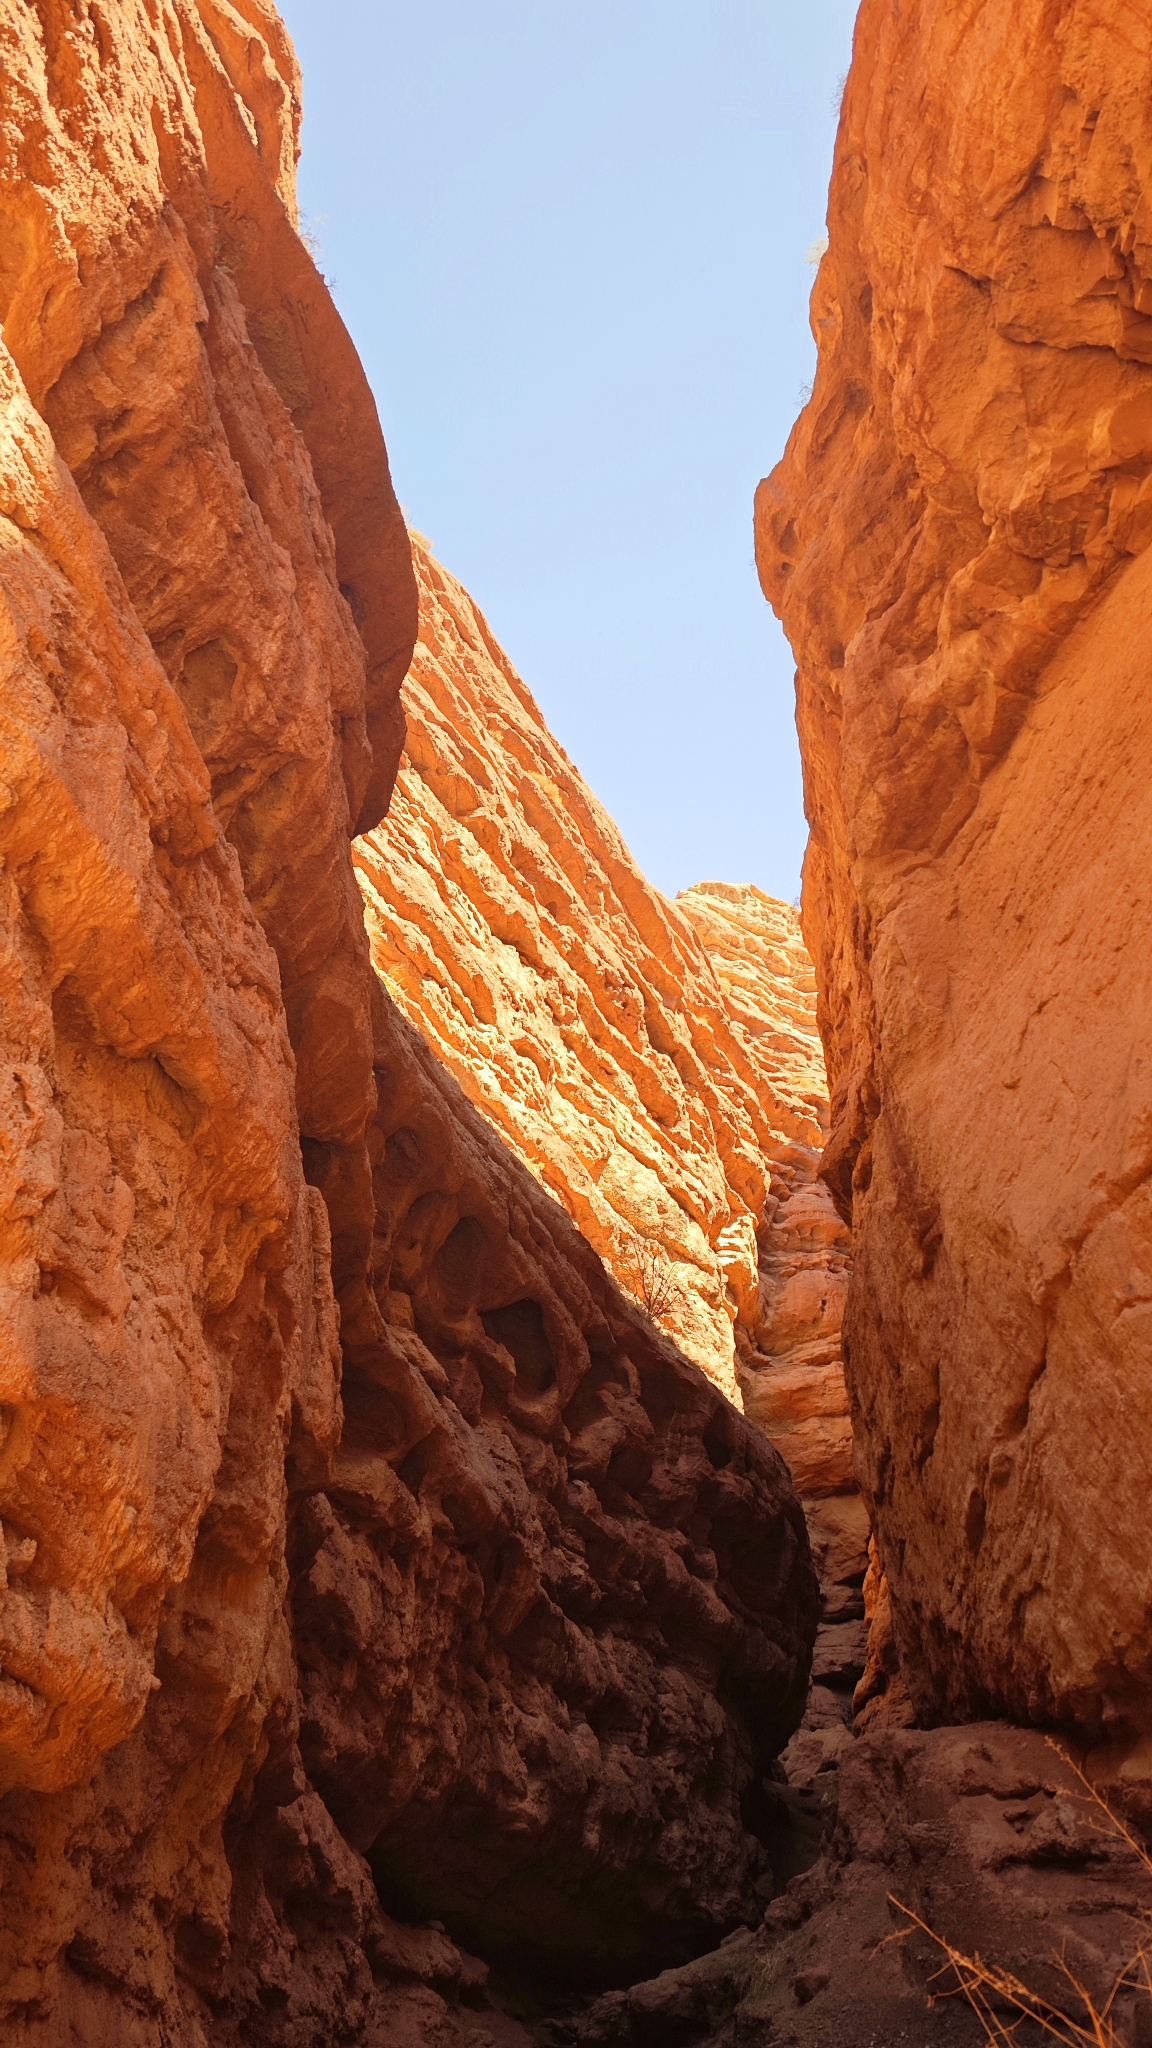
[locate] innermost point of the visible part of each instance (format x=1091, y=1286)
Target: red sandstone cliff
x=500, y=1615
x=956, y=541
x=655, y=1064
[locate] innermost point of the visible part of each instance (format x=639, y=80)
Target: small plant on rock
x=646, y=1272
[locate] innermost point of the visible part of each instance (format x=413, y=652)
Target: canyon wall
x=656, y=1065
x=581, y=1010
x=365, y=1551
x=956, y=542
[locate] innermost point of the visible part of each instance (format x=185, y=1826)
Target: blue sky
x=569, y=240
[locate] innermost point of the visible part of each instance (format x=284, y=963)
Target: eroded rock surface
x=527, y=1587
x=788, y=1335
x=655, y=1064
x=553, y=1615
x=956, y=542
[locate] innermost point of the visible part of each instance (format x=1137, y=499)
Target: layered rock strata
x=509, y=1582
x=655, y=1064
x=956, y=541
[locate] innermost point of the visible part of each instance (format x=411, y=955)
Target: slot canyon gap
x=561, y=1449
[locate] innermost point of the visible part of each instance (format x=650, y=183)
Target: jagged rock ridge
x=655, y=1064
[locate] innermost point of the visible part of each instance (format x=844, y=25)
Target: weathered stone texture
x=545, y=1593
x=656, y=1064
x=956, y=542
x=162, y=1248
x=788, y=1334
x=553, y=1615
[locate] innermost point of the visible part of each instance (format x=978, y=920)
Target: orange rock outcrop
x=363, y=1547
x=655, y=1064
x=956, y=541
x=183, y=980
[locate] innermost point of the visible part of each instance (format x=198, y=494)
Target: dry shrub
x=646, y=1272
x=1002, y=2003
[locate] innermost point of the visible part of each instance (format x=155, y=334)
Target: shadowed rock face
x=956, y=541
x=530, y=1589
x=553, y=1615
x=986, y=1836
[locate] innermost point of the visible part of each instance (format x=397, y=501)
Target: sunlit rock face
x=956, y=542
x=655, y=1064
x=181, y=984
x=357, y=1532
x=184, y=987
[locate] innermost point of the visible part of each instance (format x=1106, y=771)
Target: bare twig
x=647, y=1272
x=986, y=1985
